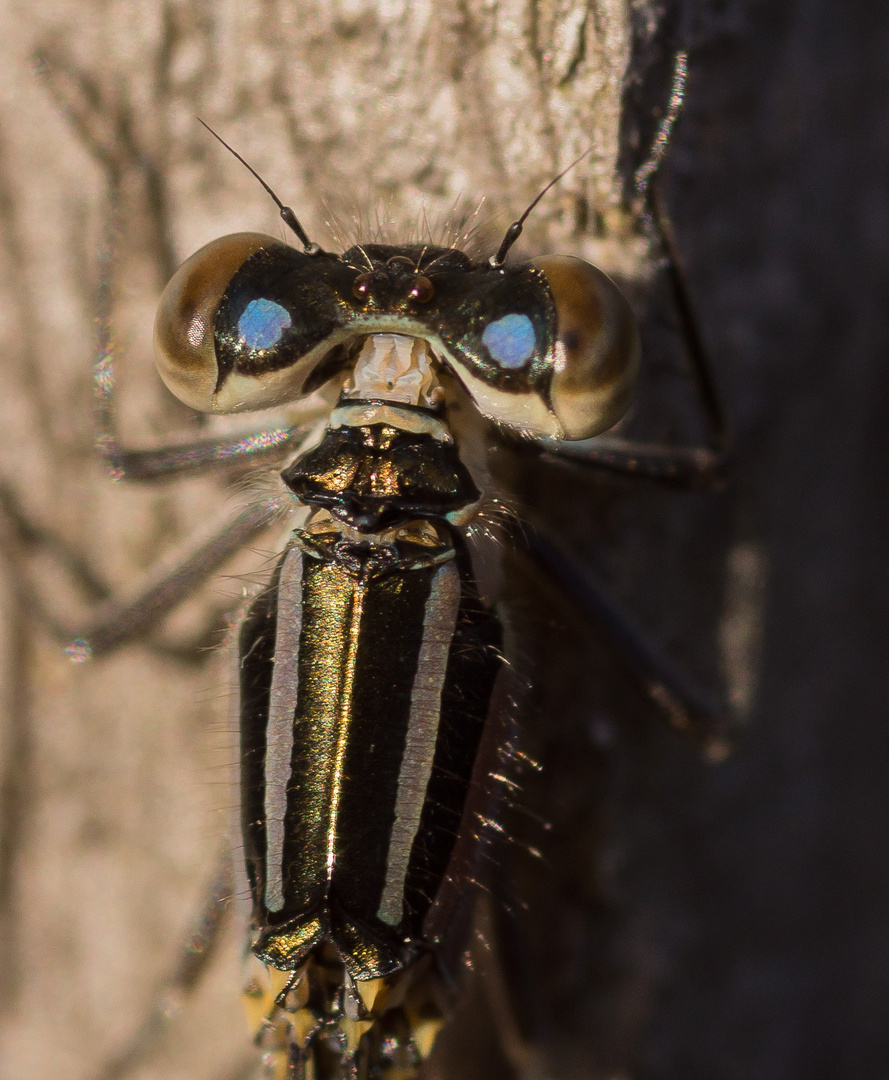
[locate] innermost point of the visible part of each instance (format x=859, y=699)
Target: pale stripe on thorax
x=442, y=609
x=279, y=728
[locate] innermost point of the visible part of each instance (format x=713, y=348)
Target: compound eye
x=184, y=329
x=596, y=347
x=247, y=323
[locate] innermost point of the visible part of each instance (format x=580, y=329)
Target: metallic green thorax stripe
x=320, y=727
x=357, y=663
x=384, y=660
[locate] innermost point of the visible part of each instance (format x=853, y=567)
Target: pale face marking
x=394, y=367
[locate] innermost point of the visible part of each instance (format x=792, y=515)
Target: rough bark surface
x=686, y=920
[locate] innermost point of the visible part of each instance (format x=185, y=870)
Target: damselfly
x=372, y=667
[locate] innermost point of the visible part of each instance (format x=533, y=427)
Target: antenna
x=515, y=230
x=290, y=219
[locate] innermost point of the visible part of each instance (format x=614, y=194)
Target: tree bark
x=684, y=919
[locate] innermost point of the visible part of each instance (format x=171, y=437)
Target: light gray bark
x=686, y=920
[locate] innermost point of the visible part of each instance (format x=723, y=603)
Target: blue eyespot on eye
x=262, y=322
x=510, y=341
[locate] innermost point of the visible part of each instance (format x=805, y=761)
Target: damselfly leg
x=345, y=924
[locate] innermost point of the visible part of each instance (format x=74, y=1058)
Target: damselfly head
x=546, y=347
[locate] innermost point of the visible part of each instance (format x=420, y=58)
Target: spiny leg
x=680, y=466
x=201, y=456
x=688, y=466
x=115, y=621
x=120, y=620
x=198, y=456
x=685, y=705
